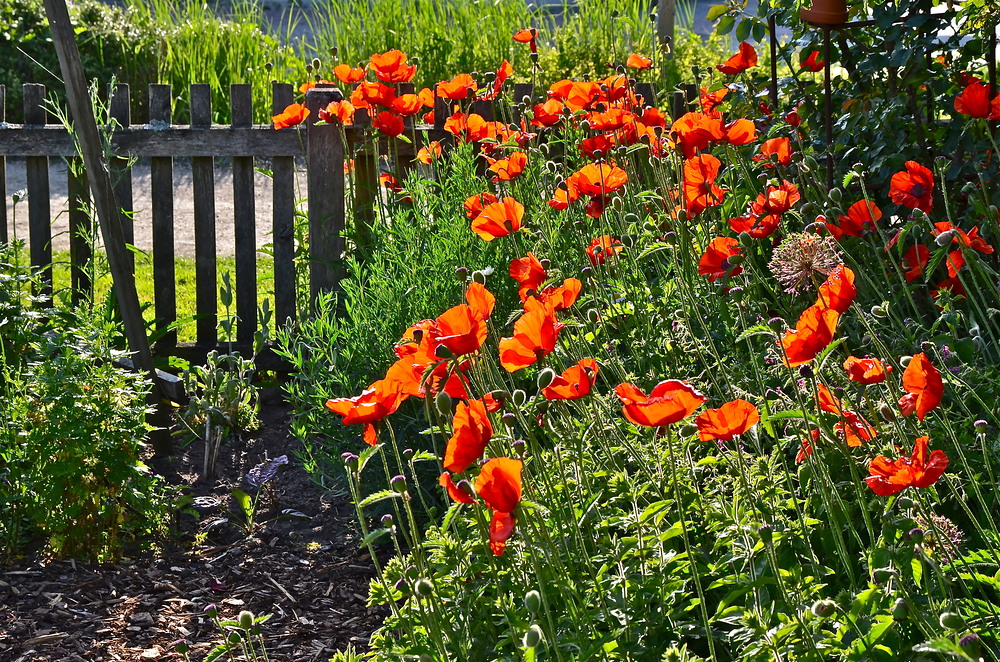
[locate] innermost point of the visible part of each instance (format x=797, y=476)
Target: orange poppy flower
x=509, y=168
x=337, y=111
x=457, y=494
x=562, y=297
x=293, y=114
x=838, y=290
x=529, y=274
x=866, y=371
x=527, y=36
x=693, y=132
x=919, y=470
x=499, y=485
x=430, y=153
x=460, y=329
x=457, y=88
x=473, y=432
x=468, y=128
x=955, y=262
x=728, y=421
x=349, y=75
x=757, y=227
x=574, y=382
x=853, y=427
x=741, y=132
x=714, y=263
x=776, y=199
x=406, y=105
x=671, y=401
x=498, y=219
x=391, y=67
x=653, y=116
x=806, y=447
x=611, y=119
x=503, y=72
x=474, y=204
x=914, y=261
x=577, y=95
x=480, y=300
x=812, y=63
x=637, y=61
x=959, y=236
x=922, y=381
x=860, y=220
x=745, y=58
x=599, y=179
x=596, y=146
x=775, y=151
x=812, y=333
x=913, y=187
x=375, y=403
x=603, y=247
x=975, y=101
x=535, y=336
x=548, y=113
x=700, y=191
x=368, y=94
x=711, y=100
x=388, y=124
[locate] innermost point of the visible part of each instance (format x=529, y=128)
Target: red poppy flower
x=391, y=67
x=535, y=335
x=776, y=199
x=368, y=94
x=595, y=180
x=919, y=470
x=498, y=219
x=671, y=401
x=793, y=119
x=741, y=132
x=637, y=61
x=499, y=485
x=714, y=263
x=693, y=132
x=430, y=153
x=527, y=36
x=574, y=382
x=812, y=333
x=375, y=403
x=529, y=274
x=860, y=220
x=975, y=101
x=757, y=227
x=548, y=113
x=388, y=124
x=460, y=329
x=473, y=432
x=349, y=75
x=480, y=300
x=806, y=447
x=866, y=371
x=743, y=60
x=293, y=114
x=337, y=111
x=775, y=151
x=913, y=187
x=468, y=128
x=700, y=190
x=812, y=63
x=923, y=382
x=603, y=247
x=457, y=494
x=560, y=298
x=406, y=105
x=728, y=421
x=711, y=100
x=952, y=285
x=838, y=290
x=475, y=204
x=611, y=119
x=959, y=236
x=852, y=426
x=504, y=71
x=955, y=262
x=457, y=88
x=577, y=95
x=509, y=168
x=596, y=146
x=914, y=261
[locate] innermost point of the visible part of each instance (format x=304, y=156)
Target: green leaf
x=715, y=11
x=244, y=501
x=378, y=496
x=757, y=330
x=725, y=25
x=366, y=455
x=743, y=29
x=918, y=571
x=373, y=536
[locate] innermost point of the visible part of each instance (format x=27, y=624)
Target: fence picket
x=203, y=181
x=121, y=171
x=283, y=219
x=80, y=229
x=162, y=197
x=37, y=171
x=245, y=220
x=325, y=156
x=3, y=175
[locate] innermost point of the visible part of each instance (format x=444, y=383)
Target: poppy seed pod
x=519, y=397
x=479, y=277
x=900, y=612
x=532, y=601
x=245, y=619
x=533, y=637
x=950, y=620
x=424, y=587
x=545, y=378
x=444, y=403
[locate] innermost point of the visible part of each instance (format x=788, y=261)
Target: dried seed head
x=799, y=257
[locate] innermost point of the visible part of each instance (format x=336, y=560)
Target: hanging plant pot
x=825, y=12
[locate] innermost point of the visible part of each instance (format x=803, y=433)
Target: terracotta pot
x=825, y=12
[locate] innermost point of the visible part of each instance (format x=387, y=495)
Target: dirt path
x=183, y=205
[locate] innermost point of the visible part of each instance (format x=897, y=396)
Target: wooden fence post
x=3, y=175
x=161, y=182
x=80, y=228
x=203, y=180
x=245, y=220
x=325, y=163
x=37, y=171
x=121, y=172
x=283, y=219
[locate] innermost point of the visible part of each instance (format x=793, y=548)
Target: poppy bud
x=519, y=397
x=980, y=424
x=479, y=277
x=532, y=601
x=682, y=215
x=545, y=262
x=689, y=430
x=181, y=646
x=309, y=68
x=585, y=125
x=916, y=535
x=878, y=311
x=593, y=316
x=350, y=461
x=904, y=503
x=235, y=637
x=425, y=658
x=746, y=241
x=333, y=52
x=533, y=637
x=735, y=260
x=401, y=586
x=268, y=66
x=245, y=619
x=442, y=352
x=407, y=453
x=211, y=611
x=883, y=575
x=949, y=620
x=462, y=273
x=386, y=520
x=508, y=419
x=900, y=611
x=443, y=403
x=411, y=571
x=398, y=484
x=808, y=208
x=424, y=587
x=823, y=608
x=836, y=195
x=543, y=407
x=809, y=163
x=927, y=347
x=545, y=378
x=766, y=534
x=500, y=395
x=904, y=360
x=836, y=211
x=944, y=238
x=971, y=646
x=806, y=371
x=887, y=413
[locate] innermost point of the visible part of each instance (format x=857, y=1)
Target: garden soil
x=308, y=574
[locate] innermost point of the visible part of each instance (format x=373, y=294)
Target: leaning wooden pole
x=85, y=126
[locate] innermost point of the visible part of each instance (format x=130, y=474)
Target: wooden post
x=203, y=179
x=245, y=221
x=364, y=184
x=80, y=229
x=161, y=182
x=37, y=171
x=666, y=16
x=3, y=176
x=325, y=164
x=107, y=210
x=121, y=172
x=283, y=220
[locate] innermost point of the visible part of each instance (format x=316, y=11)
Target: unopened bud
x=916, y=535
x=766, y=534
x=508, y=419
x=245, y=619
x=386, y=520
x=950, y=620
x=823, y=608
x=532, y=601
x=235, y=637
x=689, y=430
x=944, y=238
x=350, y=460
x=900, y=612
x=443, y=403
x=442, y=352
x=883, y=575
x=181, y=646
x=211, y=611
x=424, y=587
x=887, y=412
x=545, y=378
x=519, y=397
x=593, y=316
x=878, y=311
x=533, y=637
x=479, y=277
x=836, y=195
x=398, y=484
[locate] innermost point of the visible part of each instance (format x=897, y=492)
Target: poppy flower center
x=918, y=190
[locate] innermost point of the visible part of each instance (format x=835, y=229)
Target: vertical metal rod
x=828, y=107
x=772, y=29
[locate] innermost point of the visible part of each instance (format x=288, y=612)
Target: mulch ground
x=309, y=574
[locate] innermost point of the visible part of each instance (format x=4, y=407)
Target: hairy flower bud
x=443, y=403
x=519, y=397
x=533, y=637
x=398, y=484
x=532, y=601
x=950, y=620
x=424, y=587
x=545, y=378
x=245, y=619
x=900, y=612
x=824, y=608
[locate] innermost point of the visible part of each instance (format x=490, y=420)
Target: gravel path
x=183, y=205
